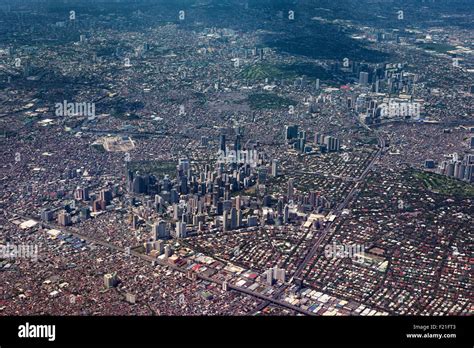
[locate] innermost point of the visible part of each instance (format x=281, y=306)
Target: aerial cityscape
x=236, y=157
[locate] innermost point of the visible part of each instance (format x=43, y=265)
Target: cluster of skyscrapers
x=275, y=274
x=327, y=143
x=324, y=143
x=456, y=167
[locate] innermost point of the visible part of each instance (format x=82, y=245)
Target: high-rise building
x=233, y=219
x=275, y=168
x=139, y=185
x=240, y=222
x=85, y=213
x=159, y=230
x=429, y=163
x=81, y=194
x=148, y=247
x=227, y=204
x=174, y=196
x=286, y=214
x=269, y=276
x=363, y=78
x=252, y=221
x=176, y=212
x=168, y=251
x=290, y=188
x=457, y=169
x=130, y=180
x=130, y=298
x=332, y=144
x=262, y=175
x=105, y=195
x=184, y=185
x=222, y=145
x=291, y=132
x=279, y=274
x=318, y=138
x=64, y=219
x=462, y=171
x=159, y=246
x=280, y=206
x=135, y=220
x=225, y=220
x=301, y=144
x=98, y=205
x=110, y=280
x=450, y=169
x=183, y=165
x=238, y=202
x=181, y=230
x=46, y=215
x=237, y=143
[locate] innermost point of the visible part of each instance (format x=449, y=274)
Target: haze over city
x=236, y=158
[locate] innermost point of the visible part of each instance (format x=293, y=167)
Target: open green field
x=285, y=71
x=157, y=168
x=437, y=47
x=269, y=101
x=445, y=185
x=321, y=43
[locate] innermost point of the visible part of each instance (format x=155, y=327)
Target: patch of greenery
x=437, y=47
x=8, y=133
x=269, y=101
x=157, y=168
x=318, y=41
x=445, y=185
x=98, y=147
x=126, y=110
x=260, y=72
x=200, y=98
x=270, y=71
x=310, y=70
